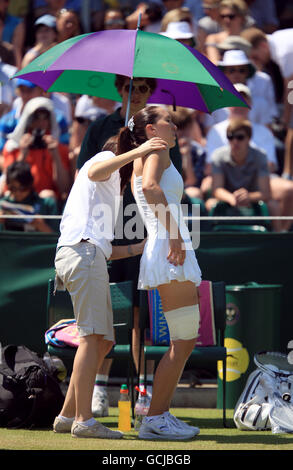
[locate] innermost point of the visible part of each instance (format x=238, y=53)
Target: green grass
x=212, y=437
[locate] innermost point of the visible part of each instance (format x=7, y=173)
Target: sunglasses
x=231, y=16
x=239, y=137
x=141, y=88
x=242, y=70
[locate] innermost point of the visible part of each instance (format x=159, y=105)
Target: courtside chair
x=223, y=209
x=59, y=307
x=201, y=355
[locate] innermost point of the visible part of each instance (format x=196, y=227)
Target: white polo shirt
x=91, y=209
x=281, y=48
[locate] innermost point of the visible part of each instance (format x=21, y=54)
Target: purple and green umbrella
x=87, y=64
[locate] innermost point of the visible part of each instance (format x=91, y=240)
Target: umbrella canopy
x=88, y=64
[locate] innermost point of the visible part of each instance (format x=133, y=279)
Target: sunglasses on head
x=231, y=16
x=242, y=70
x=239, y=137
x=141, y=88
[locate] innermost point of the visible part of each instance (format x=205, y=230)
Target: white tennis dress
x=155, y=269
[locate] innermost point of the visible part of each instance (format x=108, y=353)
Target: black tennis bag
x=30, y=395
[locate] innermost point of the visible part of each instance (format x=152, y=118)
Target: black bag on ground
x=30, y=395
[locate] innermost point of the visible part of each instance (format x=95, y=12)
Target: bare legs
x=173, y=296
x=89, y=356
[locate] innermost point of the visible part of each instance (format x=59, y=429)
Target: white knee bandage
x=183, y=323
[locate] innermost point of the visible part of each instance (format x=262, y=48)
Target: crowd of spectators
x=251, y=44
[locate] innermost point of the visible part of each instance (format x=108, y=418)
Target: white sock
x=65, y=419
x=101, y=382
x=88, y=422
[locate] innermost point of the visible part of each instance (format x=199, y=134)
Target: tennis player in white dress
x=166, y=263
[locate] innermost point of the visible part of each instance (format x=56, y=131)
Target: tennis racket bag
x=265, y=403
x=30, y=394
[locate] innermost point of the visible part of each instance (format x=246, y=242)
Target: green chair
x=223, y=209
x=59, y=307
x=201, y=355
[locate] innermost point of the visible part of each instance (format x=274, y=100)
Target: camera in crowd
x=38, y=142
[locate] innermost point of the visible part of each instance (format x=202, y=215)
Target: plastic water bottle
x=141, y=408
x=124, y=406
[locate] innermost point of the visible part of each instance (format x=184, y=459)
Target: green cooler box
x=252, y=324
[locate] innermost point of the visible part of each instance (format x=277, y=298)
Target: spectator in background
x=181, y=31
x=87, y=110
x=7, y=88
x=232, y=43
x=25, y=91
x=35, y=140
x=45, y=38
x=239, y=69
x=114, y=19
x=277, y=47
x=151, y=16
x=208, y=24
x=176, y=15
x=240, y=175
x=20, y=191
x=233, y=19
x=67, y=24
x=13, y=31
x=262, y=139
x=193, y=154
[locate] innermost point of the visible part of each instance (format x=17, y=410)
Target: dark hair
x=111, y=144
x=154, y=11
x=240, y=124
x=120, y=80
x=21, y=172
x=127, y=139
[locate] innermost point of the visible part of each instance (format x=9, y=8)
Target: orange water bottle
x=124, y=405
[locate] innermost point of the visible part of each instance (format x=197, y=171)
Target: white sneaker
x=181, y=424
x=97, y=430
x=162, y=427
x=100, y=403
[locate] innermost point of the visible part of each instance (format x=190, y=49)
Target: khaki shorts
x=82, y=268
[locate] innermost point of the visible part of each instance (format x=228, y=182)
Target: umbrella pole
x=130, y=84
x=128, y=103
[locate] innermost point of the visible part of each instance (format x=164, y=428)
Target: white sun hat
x=178, y=30
x=234, y=58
